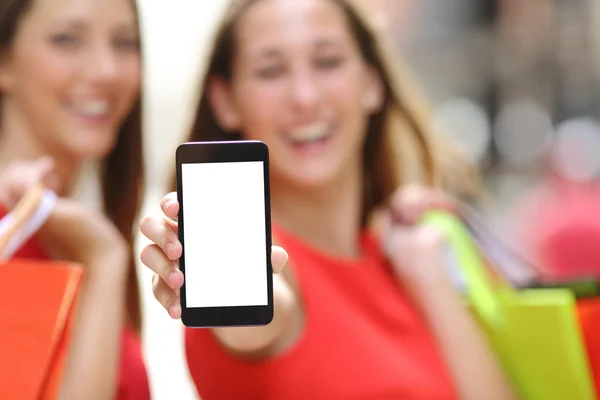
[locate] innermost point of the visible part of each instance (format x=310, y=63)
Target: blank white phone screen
x=224, y=234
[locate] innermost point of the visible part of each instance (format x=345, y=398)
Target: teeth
x=92, y=108
x=310, y=133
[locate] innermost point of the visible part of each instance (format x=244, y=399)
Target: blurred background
x=508, y=78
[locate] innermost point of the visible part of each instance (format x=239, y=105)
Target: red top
x=362, y=339
x=133, y=381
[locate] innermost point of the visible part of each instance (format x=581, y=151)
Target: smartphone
x=225, y=230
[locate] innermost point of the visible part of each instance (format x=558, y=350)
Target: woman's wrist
x=436, y=292
x=428, y=280
x=112, y=268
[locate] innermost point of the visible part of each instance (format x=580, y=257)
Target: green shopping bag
x=534, y=332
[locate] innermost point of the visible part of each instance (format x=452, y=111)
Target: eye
x=65, y=40
x=329, y=62
x=127, y=43
x=270, y=72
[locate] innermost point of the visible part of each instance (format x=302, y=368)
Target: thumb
x=279, y=259
x=393, y=235
x=27, y=176
x=44, y=164
x=397, y=239
x=44, y=170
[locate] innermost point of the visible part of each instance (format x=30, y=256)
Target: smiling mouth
x=309, y=134
x=97, y=109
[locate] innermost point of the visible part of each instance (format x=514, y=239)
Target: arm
x=472, y=364
x=417, y=254
x=74, y=233
x=271, y=339
x=418, y=258
x=91, y=368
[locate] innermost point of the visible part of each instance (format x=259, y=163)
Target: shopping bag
x=37, y=303
x=588, y=311
x=535, y=333
x=525, y=274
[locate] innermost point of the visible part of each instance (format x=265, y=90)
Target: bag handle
x=525, y=274
x=25, y=219
x=479, y=289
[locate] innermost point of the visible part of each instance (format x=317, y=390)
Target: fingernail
x=172, y=309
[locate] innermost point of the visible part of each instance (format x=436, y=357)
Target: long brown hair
x=401, y=143
x=122, y=172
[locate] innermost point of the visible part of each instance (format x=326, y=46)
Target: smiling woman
x=359, y=313
x=70, y=89
x=69, y=80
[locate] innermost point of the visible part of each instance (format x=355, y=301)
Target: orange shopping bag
x=37, y=301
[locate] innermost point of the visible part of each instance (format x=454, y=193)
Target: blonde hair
x=402, y=144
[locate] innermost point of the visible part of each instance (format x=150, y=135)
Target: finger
x=22, y=176
x=161, y=232
x=12, y=179
x=394, y=242
x=172, y=224
x=52, y=182
x=170, y=205
x=386, y=223
x=431, y=200
x=44, y=166
x=34, y=173
x=46, y=174
x=5, y=199
x=408, y=205
x=18, y=177
x=166, y=297
x=9, y=194
x=168, y=270
x=404, y=202
x=279, y=259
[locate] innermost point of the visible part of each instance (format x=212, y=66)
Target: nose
x=305, y=91
x=102, y=64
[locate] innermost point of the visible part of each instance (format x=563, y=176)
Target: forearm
x=92, y=364
x=264, y=340
x=473, y=365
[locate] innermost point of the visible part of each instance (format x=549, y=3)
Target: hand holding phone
x=224, y=307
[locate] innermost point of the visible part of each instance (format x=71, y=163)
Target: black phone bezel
x=213, y=152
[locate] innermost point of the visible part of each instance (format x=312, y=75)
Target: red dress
x=362, y=339
x=133, y=381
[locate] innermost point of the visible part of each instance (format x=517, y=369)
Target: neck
x=328, y=218
x=18, y=143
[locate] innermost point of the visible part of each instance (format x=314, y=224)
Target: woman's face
x=300, y=84
x=72, y=74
